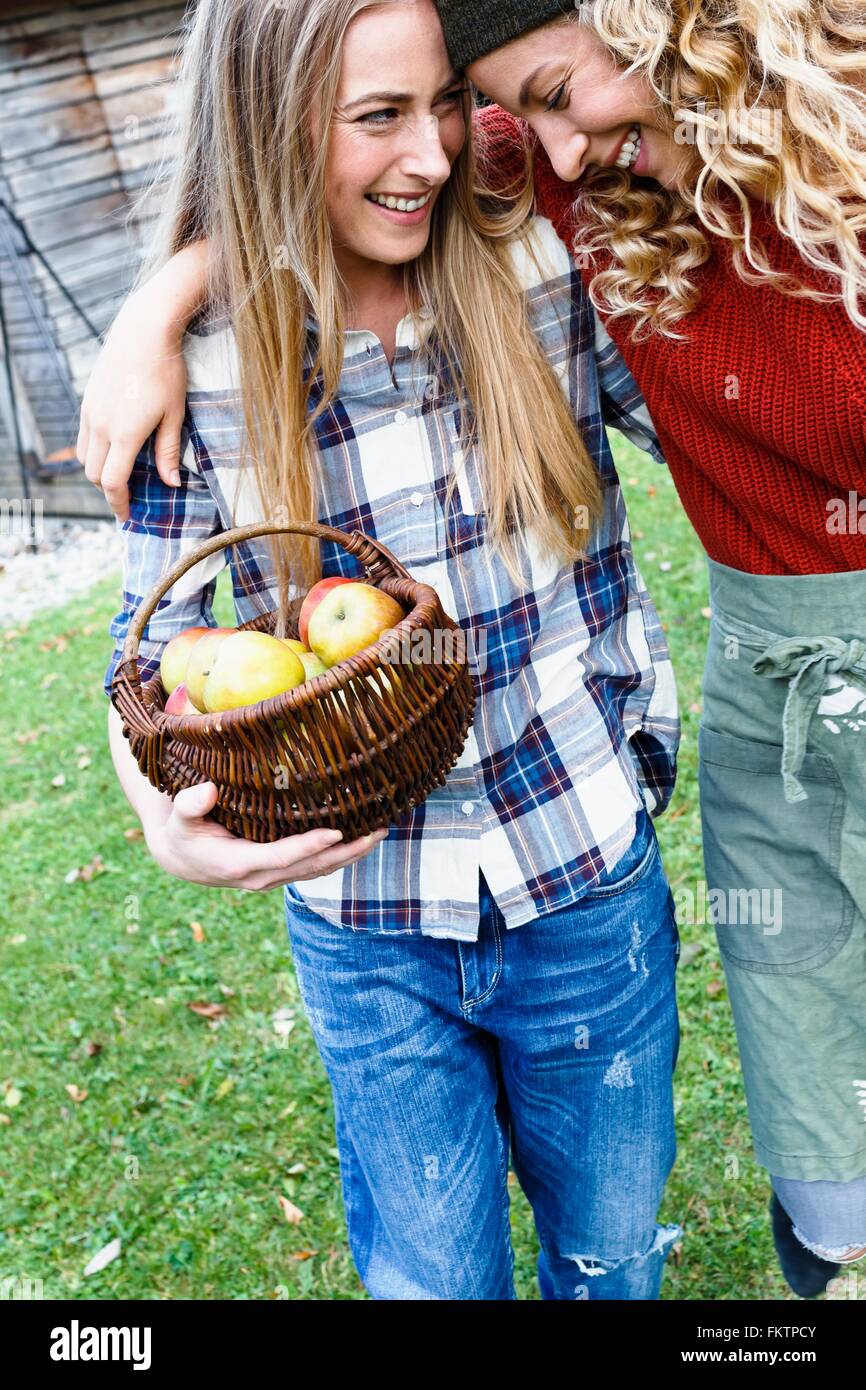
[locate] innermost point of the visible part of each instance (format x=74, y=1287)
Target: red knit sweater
x=761, y=412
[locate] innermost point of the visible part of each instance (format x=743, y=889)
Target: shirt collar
x=411, y=333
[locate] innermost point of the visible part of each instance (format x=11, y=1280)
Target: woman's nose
x=425, y=155
x=567, y=153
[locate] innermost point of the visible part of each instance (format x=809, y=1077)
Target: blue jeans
x=829, y=1217
x=558, y=1038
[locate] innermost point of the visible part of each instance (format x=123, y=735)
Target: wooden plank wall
x=86, y=93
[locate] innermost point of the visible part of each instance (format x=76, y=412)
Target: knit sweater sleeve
x=508, y=149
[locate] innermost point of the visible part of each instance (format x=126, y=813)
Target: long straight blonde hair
x=251, y=179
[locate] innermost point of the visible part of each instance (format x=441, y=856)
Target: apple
x=179, y=702
x=249, y=667
x=294, y=645
x=172, y=666
x=201, y=659
x=312, y=601
x=349, y=619
x=313, y=665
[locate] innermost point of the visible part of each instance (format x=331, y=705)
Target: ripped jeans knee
x=637, y=1275
x=835, y=1254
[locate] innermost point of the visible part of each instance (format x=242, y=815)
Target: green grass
x=191, y=1130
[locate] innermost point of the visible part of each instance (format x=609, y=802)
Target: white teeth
x=630, y=150
x=399, y=204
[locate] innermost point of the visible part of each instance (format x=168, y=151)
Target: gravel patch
x=70, y=558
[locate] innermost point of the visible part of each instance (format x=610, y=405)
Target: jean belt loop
x=804, y=662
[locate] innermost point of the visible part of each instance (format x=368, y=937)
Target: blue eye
x=380, y=117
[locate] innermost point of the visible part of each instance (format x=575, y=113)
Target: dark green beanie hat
x=476, y=27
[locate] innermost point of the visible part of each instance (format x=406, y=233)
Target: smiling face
x=398, y=127
x=564, y=82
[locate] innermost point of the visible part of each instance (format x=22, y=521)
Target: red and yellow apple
x=179, y=702
x=201, y=660
x=172, y=666
x=312, y=601
x=350, y=618
x=248, y=667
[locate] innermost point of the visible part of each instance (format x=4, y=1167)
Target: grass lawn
x=126, y=1114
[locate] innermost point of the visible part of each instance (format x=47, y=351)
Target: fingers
x=314, y=864
x=115, y=477
x=83, y=437
x=167, y=449
x=283, y=857
x=341, y=856
x=94, y=458
x=192, y=803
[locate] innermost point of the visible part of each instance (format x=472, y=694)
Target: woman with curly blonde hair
x=706, y=164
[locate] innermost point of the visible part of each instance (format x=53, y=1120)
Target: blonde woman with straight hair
x=383, y=343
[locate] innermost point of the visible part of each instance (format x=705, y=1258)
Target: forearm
x=178, y=289
x=152, y=807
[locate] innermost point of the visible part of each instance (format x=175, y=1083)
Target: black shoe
x=807, y=1274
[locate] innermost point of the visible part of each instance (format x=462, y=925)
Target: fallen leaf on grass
x=208, y=1010
x=11, y=1095
x=103, y=1257
x=304, y=1254
x=49, y=679
x=134, y=832
x=17, y=940
x=59, y=780
x=31, y=735
x=292, y=1213
x=283, y=1021
x=706, y=612
x=77, y=1094
x=89, y=871
x=84, y=761
x=197, y=931
x=715, y=987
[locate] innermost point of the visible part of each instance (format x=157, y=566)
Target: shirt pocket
x=772, y=867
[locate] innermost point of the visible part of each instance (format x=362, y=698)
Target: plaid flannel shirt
x=576, y=724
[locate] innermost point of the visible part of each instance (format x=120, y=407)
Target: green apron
x=783, y=809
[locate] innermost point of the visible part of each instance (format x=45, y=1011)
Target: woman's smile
x=405, y=209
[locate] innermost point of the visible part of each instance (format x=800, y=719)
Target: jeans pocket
x=631, y=868
x=772, y=867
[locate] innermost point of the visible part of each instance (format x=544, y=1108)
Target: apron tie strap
x=804, y=662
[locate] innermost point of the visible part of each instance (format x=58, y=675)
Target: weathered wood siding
x=86, y=93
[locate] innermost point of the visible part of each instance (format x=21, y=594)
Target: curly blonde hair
x=771, y=95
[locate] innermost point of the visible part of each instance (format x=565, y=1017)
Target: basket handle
x=377, y=559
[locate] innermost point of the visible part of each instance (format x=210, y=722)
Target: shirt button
x=468, y=808
x=416, y=499
x=401, y=418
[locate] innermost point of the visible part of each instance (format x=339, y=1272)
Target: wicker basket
x=353, y=749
